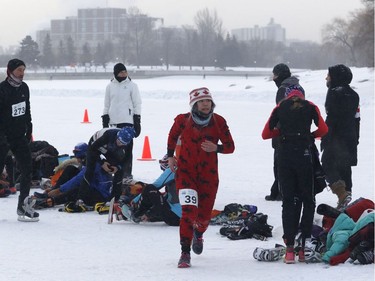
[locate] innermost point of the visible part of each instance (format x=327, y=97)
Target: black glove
x=137, y=124
x=105, y=120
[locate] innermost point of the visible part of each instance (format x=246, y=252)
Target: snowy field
x=83, y=246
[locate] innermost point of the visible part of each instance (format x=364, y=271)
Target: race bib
x=188, y=197
x=18, y=109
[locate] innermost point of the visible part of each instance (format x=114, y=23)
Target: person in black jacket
x=285, y=83
x=109, y=146
x=339, y=146
x=16, y=133
x=291, y=121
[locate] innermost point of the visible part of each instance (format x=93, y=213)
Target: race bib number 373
x=18, y=109
x=188, y=197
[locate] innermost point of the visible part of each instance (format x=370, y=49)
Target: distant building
x=272, y=32
x=93, y=26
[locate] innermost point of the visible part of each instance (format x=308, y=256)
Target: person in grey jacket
x=122, y=108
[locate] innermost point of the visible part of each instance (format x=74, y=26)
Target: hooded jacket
x=343, y=120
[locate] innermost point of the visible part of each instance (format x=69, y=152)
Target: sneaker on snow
x=184, y=261
x=26, y=212
x=197, y=243
x=289, y=256
x=366, y=257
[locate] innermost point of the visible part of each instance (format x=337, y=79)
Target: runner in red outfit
x=197, y=176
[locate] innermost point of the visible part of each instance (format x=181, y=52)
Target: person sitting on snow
x=65, y=171
x=152, y=205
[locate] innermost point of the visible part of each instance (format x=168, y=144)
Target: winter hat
x=118, y=68
x=340, y=75
x=292, y=88
x=281, y=70
x=125, y=135
x=13, y=64
x=296, y=93
x=199, y=94
x=80, y=150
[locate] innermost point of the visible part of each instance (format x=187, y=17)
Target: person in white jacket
x=122, y=107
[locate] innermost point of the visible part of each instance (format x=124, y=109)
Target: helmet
x=164, y=162
x=125, y=135
x=80, y=150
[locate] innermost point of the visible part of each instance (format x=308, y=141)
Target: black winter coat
x=340, y=144
x=15, y=116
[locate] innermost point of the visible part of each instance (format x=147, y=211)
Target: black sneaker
x=366, y=257
x=273, y=198
x=26, y=211
x=197, y=243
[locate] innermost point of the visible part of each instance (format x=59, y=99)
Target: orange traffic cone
x=146, y=154
x=86, y=117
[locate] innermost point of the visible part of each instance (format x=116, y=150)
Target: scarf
x=14, y=81
x=200, y=118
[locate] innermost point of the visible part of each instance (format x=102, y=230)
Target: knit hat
x=295, y=93
x=199, y=94
x=118, y=68
x=281, y=70
x=125, y=135
x=13, y=64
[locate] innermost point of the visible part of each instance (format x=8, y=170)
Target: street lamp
x=161, y=63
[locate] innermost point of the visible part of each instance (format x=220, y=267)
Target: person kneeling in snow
x=109, y=147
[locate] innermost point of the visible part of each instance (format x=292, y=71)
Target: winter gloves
x=137, y=124
x=105, y=120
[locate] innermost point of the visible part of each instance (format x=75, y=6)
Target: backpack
x=44, y=159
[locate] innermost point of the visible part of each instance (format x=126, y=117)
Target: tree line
x=349, y=41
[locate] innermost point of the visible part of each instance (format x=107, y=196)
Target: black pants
x=337, y=169
x=297, y=186
x=128, y=164
x=275, y=186
x=21, y=151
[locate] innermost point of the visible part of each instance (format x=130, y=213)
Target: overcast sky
x=302, y=19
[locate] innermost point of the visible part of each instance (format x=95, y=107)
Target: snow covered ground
x=83, y=246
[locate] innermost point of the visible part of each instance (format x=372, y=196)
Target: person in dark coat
x=291, y=121
x=16, y=132
x=285, y=83
x=339, y=146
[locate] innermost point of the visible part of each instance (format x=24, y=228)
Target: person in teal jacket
x=338, y=238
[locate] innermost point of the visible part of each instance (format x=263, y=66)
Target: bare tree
x=209, y=28
x=356, y=34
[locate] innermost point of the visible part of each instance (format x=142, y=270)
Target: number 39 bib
x=188, y=197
